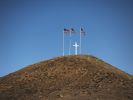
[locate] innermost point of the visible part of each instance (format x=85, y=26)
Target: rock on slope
x=68, y=78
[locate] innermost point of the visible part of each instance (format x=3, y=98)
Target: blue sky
x=31, y=31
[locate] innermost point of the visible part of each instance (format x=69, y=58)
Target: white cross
x=76, y=48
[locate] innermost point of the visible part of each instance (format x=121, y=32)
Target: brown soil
x=68, y=78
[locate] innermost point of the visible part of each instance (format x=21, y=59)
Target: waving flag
x=72, y=30
x=82, y=32
x=66, y=30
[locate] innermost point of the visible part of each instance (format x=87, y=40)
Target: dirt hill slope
x=68, y=78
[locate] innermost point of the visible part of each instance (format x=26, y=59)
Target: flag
x=66, y=30
x=72, y=30
x=82, y=32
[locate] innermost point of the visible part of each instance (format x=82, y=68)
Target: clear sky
x=31, y=31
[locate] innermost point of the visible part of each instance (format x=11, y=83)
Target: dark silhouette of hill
x=68, y=78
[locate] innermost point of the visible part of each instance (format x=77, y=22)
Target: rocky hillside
x=68, y=78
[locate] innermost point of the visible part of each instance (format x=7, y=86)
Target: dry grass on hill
x=68, y=78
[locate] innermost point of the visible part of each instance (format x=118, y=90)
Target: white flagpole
x=80, y=40
x=63, y=42
x=70, y=44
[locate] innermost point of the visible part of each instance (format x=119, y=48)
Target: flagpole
x=63, y=43
x=80, y=40
x=70, y=44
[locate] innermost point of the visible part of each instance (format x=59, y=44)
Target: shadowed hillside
x=68, y=78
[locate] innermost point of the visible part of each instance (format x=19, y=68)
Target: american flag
x=73, y=30
x=66, y=30
x=82, y=31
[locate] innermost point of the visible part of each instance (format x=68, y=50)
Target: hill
x=68, y=78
